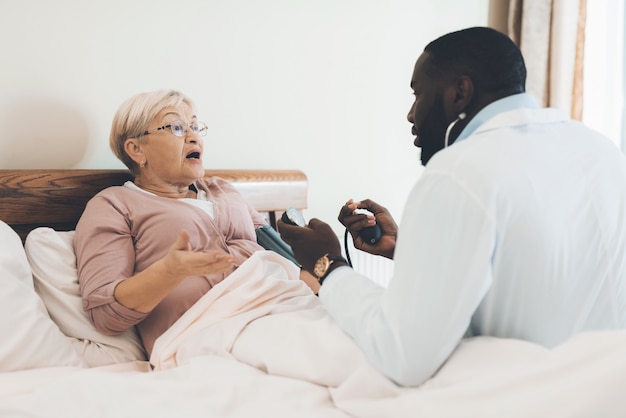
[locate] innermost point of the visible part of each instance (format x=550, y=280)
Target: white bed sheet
x=267, y=348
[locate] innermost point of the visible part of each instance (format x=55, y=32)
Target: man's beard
x=433, y=131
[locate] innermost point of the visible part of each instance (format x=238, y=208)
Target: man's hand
x=310, y=242
x=355, y=222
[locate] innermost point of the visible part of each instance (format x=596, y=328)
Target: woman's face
x=170, y=159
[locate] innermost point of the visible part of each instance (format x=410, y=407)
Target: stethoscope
x=461, y=116
x=454, y=122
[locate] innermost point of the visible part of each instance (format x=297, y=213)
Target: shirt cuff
x=331, y=278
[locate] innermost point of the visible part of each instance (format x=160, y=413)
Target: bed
x=259, y=344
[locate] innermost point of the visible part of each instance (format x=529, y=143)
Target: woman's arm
x=119, y=284
x=143, y=291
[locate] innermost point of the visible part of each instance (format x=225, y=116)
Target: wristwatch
x=323, y=264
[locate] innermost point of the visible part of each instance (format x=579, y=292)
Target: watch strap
x=333, y=260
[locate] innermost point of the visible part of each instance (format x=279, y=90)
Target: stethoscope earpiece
x=461, y=116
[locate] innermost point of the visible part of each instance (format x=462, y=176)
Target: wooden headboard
x=56, y=198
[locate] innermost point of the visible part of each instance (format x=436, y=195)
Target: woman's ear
x=135, y=151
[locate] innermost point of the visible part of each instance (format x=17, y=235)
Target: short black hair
x=490, y=58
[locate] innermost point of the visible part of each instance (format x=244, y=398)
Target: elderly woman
x=148, y=250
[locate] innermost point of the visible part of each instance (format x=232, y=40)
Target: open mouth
x=193, y=155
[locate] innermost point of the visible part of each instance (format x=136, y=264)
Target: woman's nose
x=193, y=137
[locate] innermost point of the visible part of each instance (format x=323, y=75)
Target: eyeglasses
x=180, y=128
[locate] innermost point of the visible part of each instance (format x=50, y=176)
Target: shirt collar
x=200, y=194
x=516, y=101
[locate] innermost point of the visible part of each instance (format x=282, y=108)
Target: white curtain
x=551, y=35
x=576, y=58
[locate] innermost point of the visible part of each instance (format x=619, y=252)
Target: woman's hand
x=355, y=222
x=143, y=291
x=181, y=261
x=310, y=281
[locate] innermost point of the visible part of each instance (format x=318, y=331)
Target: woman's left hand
x=181, y=261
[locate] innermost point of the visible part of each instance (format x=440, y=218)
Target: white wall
x=318, y=85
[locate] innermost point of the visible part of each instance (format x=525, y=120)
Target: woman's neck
x=172, y=191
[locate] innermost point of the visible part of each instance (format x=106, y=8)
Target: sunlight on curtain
x=604, y=79
x=547, y=32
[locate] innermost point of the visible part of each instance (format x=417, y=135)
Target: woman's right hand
x=355, y=222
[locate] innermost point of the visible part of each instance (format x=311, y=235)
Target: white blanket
x=261, y=345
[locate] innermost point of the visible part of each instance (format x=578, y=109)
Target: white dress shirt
x=518, y=230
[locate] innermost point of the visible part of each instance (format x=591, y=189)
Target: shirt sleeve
x=442, y=271
x=105, y=256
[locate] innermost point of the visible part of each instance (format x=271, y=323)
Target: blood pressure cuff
x=269, y=239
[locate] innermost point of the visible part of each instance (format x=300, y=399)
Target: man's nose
x=409, y=117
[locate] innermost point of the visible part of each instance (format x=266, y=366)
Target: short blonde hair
x=134, y=116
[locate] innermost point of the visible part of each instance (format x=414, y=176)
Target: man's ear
x=135, y=151
x=457, y=97
x=464, y=92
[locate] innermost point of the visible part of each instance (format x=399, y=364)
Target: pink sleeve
x=105, y=256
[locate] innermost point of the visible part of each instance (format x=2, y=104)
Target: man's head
x=461, y=72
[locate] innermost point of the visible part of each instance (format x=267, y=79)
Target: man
x=518, y=230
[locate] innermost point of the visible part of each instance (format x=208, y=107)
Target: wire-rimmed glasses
x=180, y=128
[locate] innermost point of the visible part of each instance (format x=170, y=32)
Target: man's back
x=555, y=191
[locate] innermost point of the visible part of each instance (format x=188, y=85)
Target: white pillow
x=52, y=260
x=28, y=337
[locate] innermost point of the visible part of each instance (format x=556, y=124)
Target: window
x=604, y=78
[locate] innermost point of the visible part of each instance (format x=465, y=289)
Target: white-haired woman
x=148, y=250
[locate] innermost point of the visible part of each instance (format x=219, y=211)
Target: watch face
x=321, y=266
x=294, y=217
